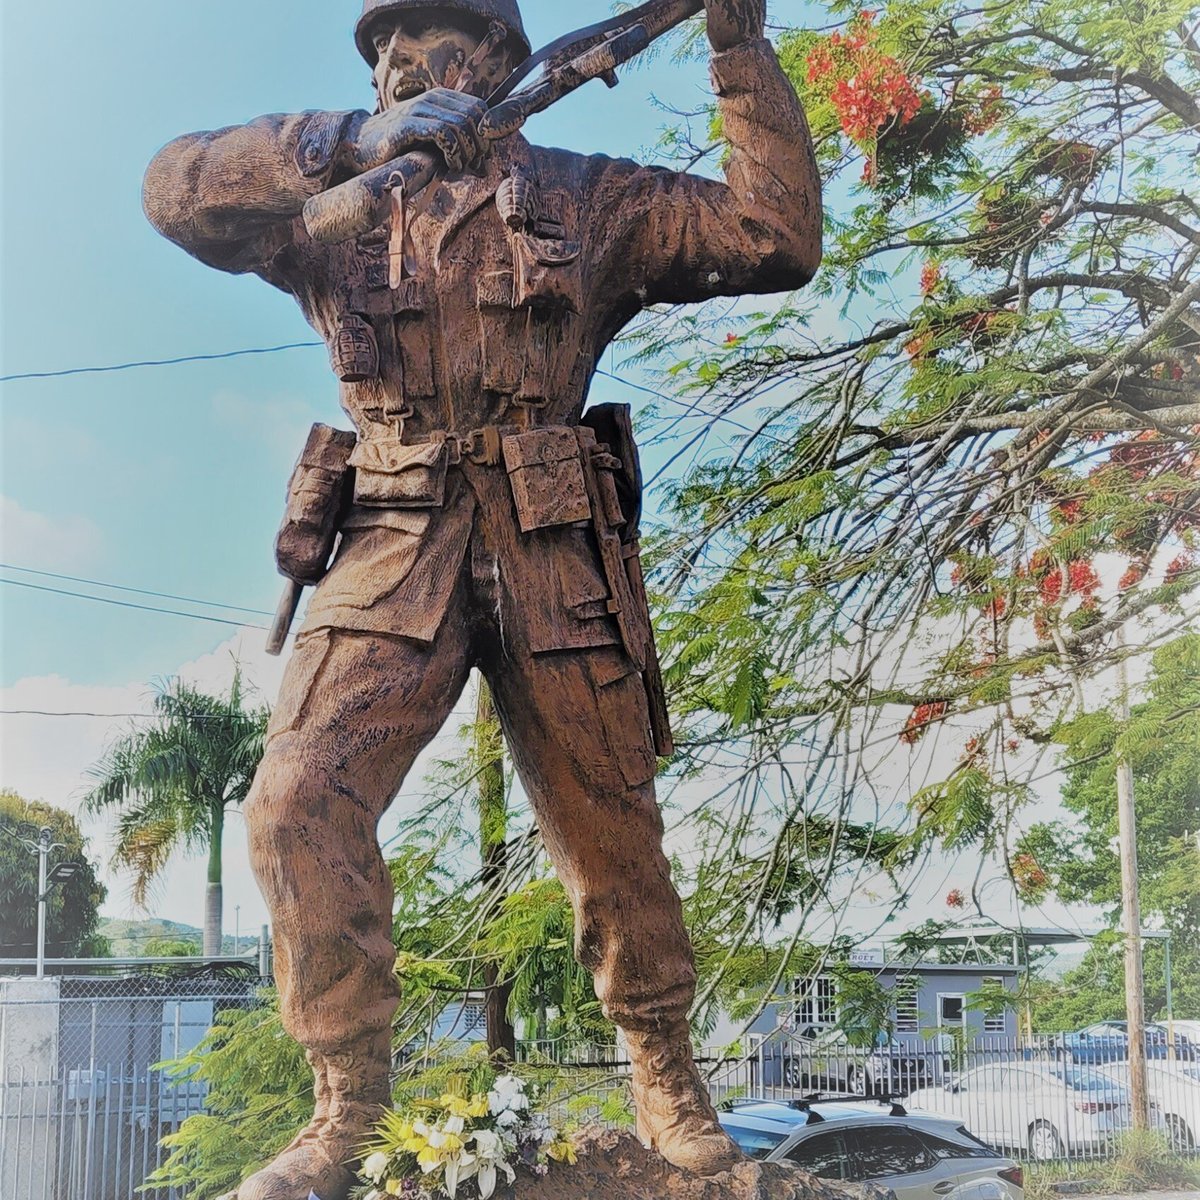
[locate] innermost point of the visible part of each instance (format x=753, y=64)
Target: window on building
x=816, y=1002
x=474, y=1018
x=908, y=1012
x=994, y=1022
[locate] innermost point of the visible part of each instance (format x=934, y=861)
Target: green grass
x=1145, y=1162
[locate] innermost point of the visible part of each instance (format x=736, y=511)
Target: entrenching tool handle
x=289, y=605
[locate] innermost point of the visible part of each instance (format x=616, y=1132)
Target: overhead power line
x=120, y=587
x=158, y=362
x=173, y=612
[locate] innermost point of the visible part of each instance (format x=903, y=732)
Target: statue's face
x=419, y=52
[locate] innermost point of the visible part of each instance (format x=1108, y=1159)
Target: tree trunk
x=493, y=850
x=214, y=892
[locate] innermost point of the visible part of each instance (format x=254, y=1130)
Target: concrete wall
x=29, y=1045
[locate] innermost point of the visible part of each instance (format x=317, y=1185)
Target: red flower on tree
x=1029, y=877
x=1179, y=567
x=1134, y=574
x=931, y=277
x=955, y=899
x=867, y=88
x=921, y=718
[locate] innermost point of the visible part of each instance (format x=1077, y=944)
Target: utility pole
x=1131, y=913
x=43, y=853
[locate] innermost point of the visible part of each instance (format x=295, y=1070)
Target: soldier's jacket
x=492, y=320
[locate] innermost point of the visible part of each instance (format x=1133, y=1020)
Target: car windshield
x=753, y=1143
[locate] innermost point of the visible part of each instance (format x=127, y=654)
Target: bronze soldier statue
x=481, y=519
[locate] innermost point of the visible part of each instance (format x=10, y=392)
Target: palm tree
x=174, y=783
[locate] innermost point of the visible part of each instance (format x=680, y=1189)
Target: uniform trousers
x=355, y=711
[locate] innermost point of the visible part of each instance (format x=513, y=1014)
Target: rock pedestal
x=615, y=1166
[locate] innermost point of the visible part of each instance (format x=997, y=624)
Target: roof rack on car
x=803, y=1104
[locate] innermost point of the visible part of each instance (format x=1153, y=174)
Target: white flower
x=508, y=1095
x=489, y=1151
x=459, y=1168
x=454, y=1125
x=507, y=1119
x=375, y=1166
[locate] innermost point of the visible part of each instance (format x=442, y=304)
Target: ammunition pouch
x=317, y=497
x=388, y=473
x=547, y=477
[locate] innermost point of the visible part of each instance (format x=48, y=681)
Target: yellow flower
x=563, y=1151
x=429, y=1160
x=456, y=1106
x=395, y=1187
x=478, y=1106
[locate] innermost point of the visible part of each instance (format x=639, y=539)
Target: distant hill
x=129, y=939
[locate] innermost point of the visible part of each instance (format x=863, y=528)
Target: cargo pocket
x=585, y=591
x=624, y=714
x=371, y=564
x=299, y=681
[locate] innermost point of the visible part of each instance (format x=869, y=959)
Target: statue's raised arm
x=682, y=237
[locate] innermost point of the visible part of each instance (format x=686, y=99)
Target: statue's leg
x=355, y=711
x=578, y=726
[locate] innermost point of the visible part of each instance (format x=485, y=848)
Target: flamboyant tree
x=937, y=495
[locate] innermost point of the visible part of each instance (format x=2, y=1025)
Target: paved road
x=1149, y=1196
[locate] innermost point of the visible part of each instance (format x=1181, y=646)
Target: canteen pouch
x=390, y=474
x=546, y=474
x=317, y=496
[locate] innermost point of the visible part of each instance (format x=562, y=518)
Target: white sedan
x=1048, y=1111
x=1174, y=1095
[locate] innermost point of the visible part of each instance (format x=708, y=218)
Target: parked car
x=1048, y=1111
x=825, y=1060
x=1108, y=1041
x=919, y=1156
x=1189, y=1029
x=1175, y=1092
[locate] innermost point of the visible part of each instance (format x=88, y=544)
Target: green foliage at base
x=260, y=1095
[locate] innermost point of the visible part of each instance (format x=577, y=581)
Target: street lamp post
x=48, y=879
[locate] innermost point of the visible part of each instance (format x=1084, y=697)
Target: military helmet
x=504, y=11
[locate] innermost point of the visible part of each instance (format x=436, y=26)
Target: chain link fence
x=1039, y=1099
x=83, y=1105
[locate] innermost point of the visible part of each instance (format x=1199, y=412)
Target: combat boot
x=675, y=1115
x=352, y=1090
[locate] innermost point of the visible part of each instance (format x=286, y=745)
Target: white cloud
x=33, y=539
x=48, y=758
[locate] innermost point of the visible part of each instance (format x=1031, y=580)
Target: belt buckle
x=482, y=446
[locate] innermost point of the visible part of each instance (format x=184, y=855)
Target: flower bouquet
x=434, y=1148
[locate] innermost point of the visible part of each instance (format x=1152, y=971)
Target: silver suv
x=919, y=1156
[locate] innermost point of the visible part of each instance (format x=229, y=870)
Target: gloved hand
x=441, y=120
x=733, y=22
